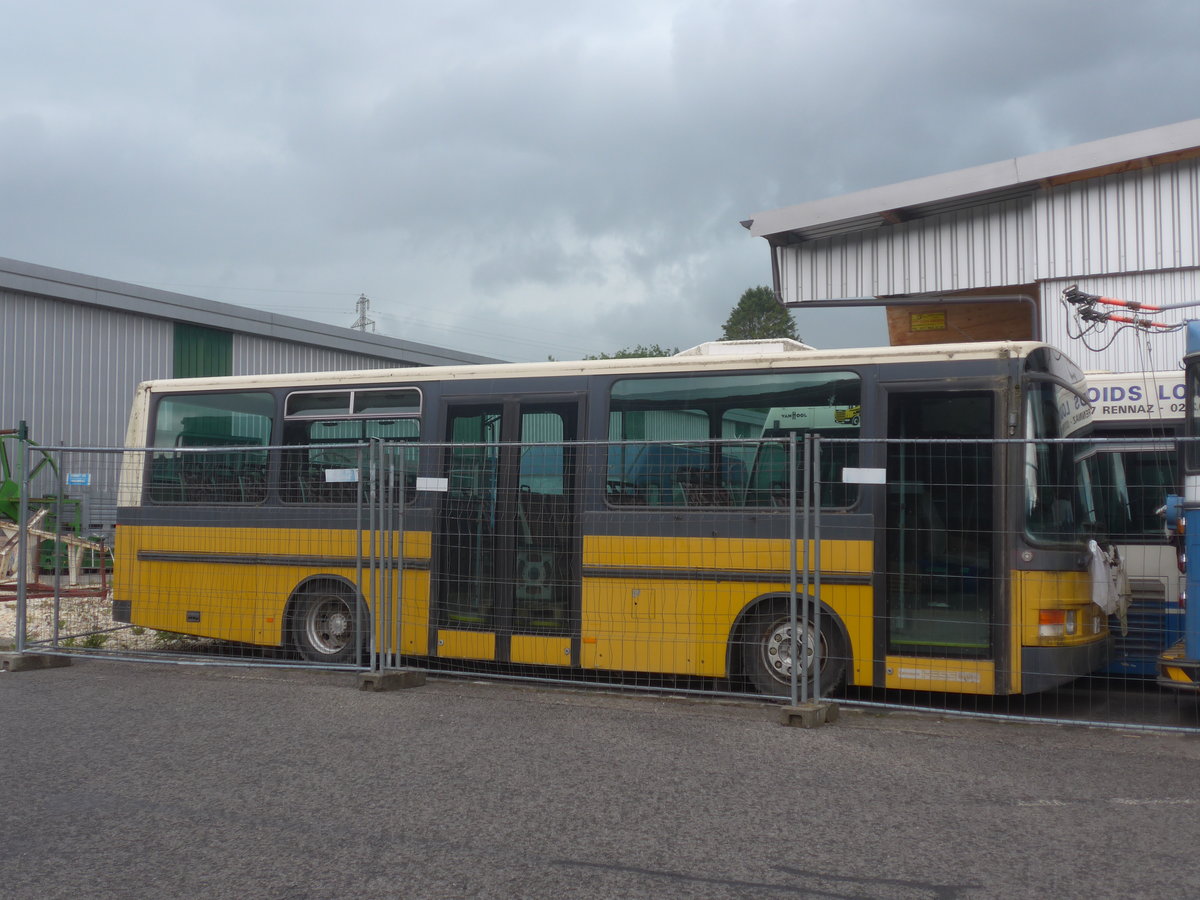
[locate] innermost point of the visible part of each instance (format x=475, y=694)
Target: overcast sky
x=527, y=178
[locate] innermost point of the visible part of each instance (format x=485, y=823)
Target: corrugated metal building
x=75, y=347
x=1118, y=217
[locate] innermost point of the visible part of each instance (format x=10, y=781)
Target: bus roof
x=770, y=357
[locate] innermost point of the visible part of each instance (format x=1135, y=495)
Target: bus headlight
x=1058, y=623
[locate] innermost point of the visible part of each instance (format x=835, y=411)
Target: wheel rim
x=776, y=651
x=329, y=624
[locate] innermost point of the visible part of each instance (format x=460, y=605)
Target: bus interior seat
x=697, y=486
x=238, y=475
x=673, y=475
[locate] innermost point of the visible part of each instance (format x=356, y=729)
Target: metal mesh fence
x=964, y=576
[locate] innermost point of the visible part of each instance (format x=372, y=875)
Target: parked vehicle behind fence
x=633, y=515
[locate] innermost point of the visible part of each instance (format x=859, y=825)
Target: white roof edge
x=744, y=348
x=621, y=366
x=979, y=179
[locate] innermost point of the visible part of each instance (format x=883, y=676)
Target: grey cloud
x=467, y=162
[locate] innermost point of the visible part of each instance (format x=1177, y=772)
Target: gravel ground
x=84, y=620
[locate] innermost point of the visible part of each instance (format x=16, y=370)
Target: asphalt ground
x=145, y=780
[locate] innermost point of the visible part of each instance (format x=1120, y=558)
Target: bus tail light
x=1057, y=623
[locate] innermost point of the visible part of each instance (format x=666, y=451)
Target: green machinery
x=56, y=521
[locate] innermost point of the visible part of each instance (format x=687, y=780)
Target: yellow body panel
x=466, y=644
x=541, y=651
x=414, y=617
x=960, y=676
x=407, y=633
x=230, y=597
x=673, y=619
x=668, y=625
x=1034, y=591
x=683, y=627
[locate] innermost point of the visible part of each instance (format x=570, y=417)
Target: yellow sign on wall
x=927, y=321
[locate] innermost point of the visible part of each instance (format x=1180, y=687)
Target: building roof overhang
x=976, y=186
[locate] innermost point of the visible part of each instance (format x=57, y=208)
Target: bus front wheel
x=767, y=652
x=325, y=625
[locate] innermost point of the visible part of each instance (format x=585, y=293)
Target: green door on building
x=202, y=352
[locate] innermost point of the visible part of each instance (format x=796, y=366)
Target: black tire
x=326, y=625
x=766, y=652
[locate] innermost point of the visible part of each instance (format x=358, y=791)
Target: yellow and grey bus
x=635, y=515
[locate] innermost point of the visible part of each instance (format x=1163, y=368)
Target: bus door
x=507, y=547
x=941, y=557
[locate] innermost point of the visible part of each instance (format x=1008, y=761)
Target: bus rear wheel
x=326, y=627
x=767, y=652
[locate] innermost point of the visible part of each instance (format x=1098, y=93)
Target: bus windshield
x=1059, y=467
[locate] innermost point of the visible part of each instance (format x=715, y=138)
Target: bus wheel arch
x=327, y=621
x=760, y=645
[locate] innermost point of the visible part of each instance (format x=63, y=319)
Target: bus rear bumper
x=1044, y=668
x=1177, y=672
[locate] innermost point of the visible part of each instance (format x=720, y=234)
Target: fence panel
x=917, y=573
x=56, y=551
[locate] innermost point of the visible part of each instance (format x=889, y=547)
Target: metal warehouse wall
x=1134, y=235
x=969, y=248
x=253, y=355
x=70, y=370
x=1137, y=221
x=1130, y=350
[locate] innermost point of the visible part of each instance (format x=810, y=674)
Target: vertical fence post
x=22, y=525
x=382, y=534
x=384, y=485
x=802, y=661
x=396, y=490
x=59, y=491
x=369, y=490
x=386, y=568
x=381, y=621
x=361, y=538
x=792, y=610
x=818, y=660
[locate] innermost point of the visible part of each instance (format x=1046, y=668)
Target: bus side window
x=323, y=447
x=238, y=423
x=769, y=478
x=164, y=484
x=770, y=484
x=703, y=433
x=236, y=476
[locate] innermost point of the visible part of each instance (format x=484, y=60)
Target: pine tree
x=759, y=315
